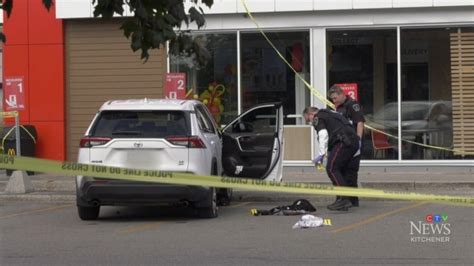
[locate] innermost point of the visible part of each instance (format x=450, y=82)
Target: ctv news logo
x=433, y=228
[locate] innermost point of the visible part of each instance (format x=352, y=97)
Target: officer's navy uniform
x=343, y=144
x=351, y=110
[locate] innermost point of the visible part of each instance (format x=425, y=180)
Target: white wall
x=344, y=19
x=83, y=8
x=369, y=13
x=73, y=8
x=319, y=75
x=363, y=4
x=319, y=65
x=453, y=2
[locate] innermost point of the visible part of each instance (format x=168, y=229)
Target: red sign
x=350, y=89
x=175, y=86
x=14, y=94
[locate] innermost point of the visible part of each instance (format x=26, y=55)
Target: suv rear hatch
x=140, y=139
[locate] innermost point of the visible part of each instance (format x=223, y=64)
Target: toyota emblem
x=138, y=145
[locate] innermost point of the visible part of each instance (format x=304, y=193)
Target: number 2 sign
x=175, y=86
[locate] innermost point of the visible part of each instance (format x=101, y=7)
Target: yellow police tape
x=329, y=103
x=9, y=114
x=308, y=86
x=11, y=131
x=155, y=176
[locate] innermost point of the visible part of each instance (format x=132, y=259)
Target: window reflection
x=267, y=78
x=367, y=59
x=216, y=81
x=427, y=107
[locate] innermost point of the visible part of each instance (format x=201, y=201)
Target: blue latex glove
x=318, y=159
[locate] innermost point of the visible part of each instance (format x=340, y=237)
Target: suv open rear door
x=253, y=144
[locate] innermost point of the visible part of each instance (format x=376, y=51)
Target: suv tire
x=211, y=210
x=88, y=213
x=224, y=196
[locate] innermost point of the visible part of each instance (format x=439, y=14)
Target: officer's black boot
x=342, y=205
x=338, y=198
x=354, y=201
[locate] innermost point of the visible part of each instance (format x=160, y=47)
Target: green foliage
x=154, y=22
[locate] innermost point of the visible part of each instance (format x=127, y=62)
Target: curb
x=238, y=196
x=56, y=198
x=53, y=186
x=419, y=186
x=256, y=196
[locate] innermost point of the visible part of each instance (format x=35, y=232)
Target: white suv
x=178, y=136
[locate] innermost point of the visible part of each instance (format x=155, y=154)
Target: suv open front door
x=253, y=143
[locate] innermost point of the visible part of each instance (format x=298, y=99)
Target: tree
x=154, y=22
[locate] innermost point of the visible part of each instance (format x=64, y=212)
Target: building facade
x=409, y=63
x=69, y=69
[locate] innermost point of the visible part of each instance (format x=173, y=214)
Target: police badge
x=356, y=107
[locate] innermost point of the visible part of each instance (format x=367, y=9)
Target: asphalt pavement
x=43, y=228
x=376, y=233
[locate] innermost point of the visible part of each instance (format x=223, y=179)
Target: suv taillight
x=190, y=142
x=88, y=142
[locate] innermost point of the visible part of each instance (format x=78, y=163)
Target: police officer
x=338, y=139
x=351, y=110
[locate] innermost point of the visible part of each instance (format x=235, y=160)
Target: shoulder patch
x=356, y=107
x=315, y=121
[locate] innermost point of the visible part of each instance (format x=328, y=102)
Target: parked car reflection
x=427, y=122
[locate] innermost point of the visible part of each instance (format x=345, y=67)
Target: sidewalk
x=436, y=180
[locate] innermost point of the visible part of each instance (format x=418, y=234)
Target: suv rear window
x=140, y=124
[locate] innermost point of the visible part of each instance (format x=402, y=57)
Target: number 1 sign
x=14, y=94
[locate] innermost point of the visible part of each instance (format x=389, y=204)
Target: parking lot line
x=35, y=211
x=378, y=217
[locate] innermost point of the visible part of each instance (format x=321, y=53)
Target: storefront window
x=366, y=62
x=265, y=77
x=432, y=82
x=215, y=82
